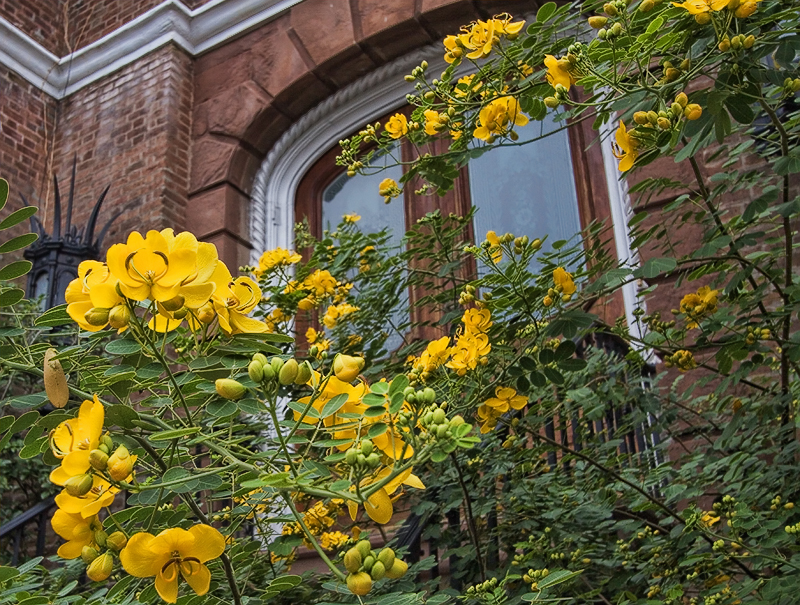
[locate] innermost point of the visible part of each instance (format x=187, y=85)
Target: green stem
x=288, y=499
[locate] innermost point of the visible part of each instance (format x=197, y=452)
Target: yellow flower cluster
x=702, y=9
x=477, y=39
x=397, y=126
x=559, y=72
x=317, y=286
x=564, y=287
x=278, y=257
x=493, y=408
x=318, y=520
x=183, y=279
x=498, y=118
x=351, y=218
x=698, y=305
x=472, y=345
x=335, y=313
x=333, y=540
x=681, y=359
x=388, y=189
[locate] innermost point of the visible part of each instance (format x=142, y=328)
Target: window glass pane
x=527, y=190
x=360, y=195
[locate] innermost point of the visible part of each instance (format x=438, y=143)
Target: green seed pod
x=256, y=371
x=304, y=373
x=397, y=570
x=439, y=416
x=352, y=560
x=98, y=459
x=366, y=447
x=229, y=388
x=369, y=561
x=378, y=571
x=386, y=556
x=359, y=583
x=365, y=548
x=288, y=372
x=79, y=485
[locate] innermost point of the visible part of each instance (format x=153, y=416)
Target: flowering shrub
x=243, y=416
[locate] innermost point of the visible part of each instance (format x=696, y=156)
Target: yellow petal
x=161, y=323
x=136, y=291
x=242, y=324
x=161, y=292
x=116, y=258
x=207, y=258
x=156, y=242
x=197, y=575
x=71, y=549
x=208, y=543
x=59, y=476
x=167, y=583
x=105, y=296
x=182, y=264
x=92, y=414
x=64, y=523
x=76, y=463
x=414, y=481
x=379, y=507
x=197, y=294
x=77, y=311
x=138, y=558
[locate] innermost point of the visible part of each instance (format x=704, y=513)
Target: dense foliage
x=551, y=456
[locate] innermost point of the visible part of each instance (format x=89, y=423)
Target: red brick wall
x=90, y=20
x=42, y=20
x=131, y=130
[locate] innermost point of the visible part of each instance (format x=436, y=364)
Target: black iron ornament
x=56, y=256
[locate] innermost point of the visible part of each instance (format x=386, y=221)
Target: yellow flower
x=434, y=122
x=695, y=7
x=495, y=252
x=478, y=39
x=351, y=218
x=698, y=305
x=332, y=540
x=558, y=72
x=452, y=49
x=379, y=505
x=311, y=336
x=74, y=439
x=321, y=283
x=506, y=398
x=468, y=352
x=149, y=267
x=335, y=313
x=464, y=86
x=388, y=189
x=93, y=291
x=708, y=519
x=434, y=355
x=564, y=279
x=745, y=9
x=625, y=149
x=499, y=117
x=397, y=126
x=333, y=387
x=488, y=417
x=77, y=531
x=477, y=321
x=347, y=368
x=171, y=553
x=503, y=25
x=101, y=495
x=276, y=258
x=233, y=300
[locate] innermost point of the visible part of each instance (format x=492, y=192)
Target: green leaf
x=19, y=242
x=32, y=449
x=380, y=388
x=572, y=365
x=538, y=379
x=374, y=411
x=564, y=351
x=740, y=109
x=11, y=296
x=334, y=405
x=121, y=415
x=656, y=266
x=123, y=347
x=3, y=200
x=222, y=408
x=174, y=434
x=379, y=428
x=305, y=410
x=15, y=269
x=6, y=422
x=17, y=217
x=398, y=384
x=546, y=11
x=553, y=375
x=57, y=316
x=397, y=402
x=760, y=204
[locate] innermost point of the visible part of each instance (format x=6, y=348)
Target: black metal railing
x=15, y=530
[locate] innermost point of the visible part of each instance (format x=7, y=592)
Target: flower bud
x=359, y=583
x=749, y=41
x=378, y=571
x=365, y=548
x=269, y=373
x=100, y=537
x=288, y=372
x=351, y=457
x=616, y=29
x=230, y=388
x=610, y=10
x=597, y=22
x=206, y=313
x=551, y=102
x=725, y=45
x=366, y=447
x=676, y=108
x=439, y=416
x=369, y=561
x=304, y=373
x=681, y=99
x=107, y=441
x=646, y=6
x=397, y=570
x=664, y=124
x=387, y=557
x=671, y=74
x=120, y=464
x=347, y=368
x=98, y=459
x=746, y=9
x=352, y=560
x=602, y=34
x=96, y=316
x=55, y=381
x=640, y=117
x=174, y=303
x=256, y=371
x=89, y=554
x=79, y=485
x=119, y=317
x=100, y=568
x=277, y=364
x=117, y=541
x=693, y=111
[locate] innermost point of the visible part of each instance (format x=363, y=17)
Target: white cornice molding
x=195, y=31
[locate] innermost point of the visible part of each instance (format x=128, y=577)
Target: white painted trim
x=195, y=31
x=275, y=185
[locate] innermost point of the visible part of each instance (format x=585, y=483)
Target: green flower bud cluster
x=483, y=587
x=100, y=565
x=791, y=86
x=365, y=566
x=434, y=419
x=535, y=575
x=754, y=334
x=262, y=370
x=792, y=529
x=363, y=456
x=422, y=397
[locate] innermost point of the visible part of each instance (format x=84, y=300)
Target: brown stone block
x=517, y=8
x=402, y=38
x=660, y=168
x=242, y=169
x=376, y=16
x=324, y=27
x=266, y=128
x=346, y=67
x=220, y=77
x=222, y=208
x=232, y=251
x=446, y=17
x=211, y=158
x=301, y=96
x=231, y=112
x=275, y=60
